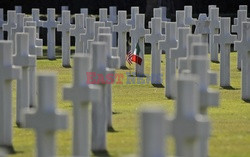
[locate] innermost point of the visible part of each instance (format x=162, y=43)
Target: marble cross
x=225, y=39
x=214, y=27
x=37, y=51
x=137, y=37
x=77, y=31
x=243, y=48
x=85, y=11
x=153, y=39
x=134, y=12
x=202, y=27
x=81, y=94
x=8, y=73
x=45, y=120
x=88, y=35
x=1, y=24
x=113, y=62
x=188, y=126
x=189, y=20
x=23, y=59
x=36, y=18
x=51, y=25
x=153, y=132
x=241, y=17
x=10, y=24
x=18, y=9
x=113, y=19
x=19, y=27
x=63, y=8
x=122, y=28
x=165, y=45
x=163, y=14
x=99, y=109
x=65, y=27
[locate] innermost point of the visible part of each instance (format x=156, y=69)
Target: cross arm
x=12, y=72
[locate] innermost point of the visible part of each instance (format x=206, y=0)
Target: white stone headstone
x=89, y=34
x=10, y=24
x=77, y=31
x=214, y=27
x=19, y=27
x=122, y=28
x=18, y=9
x=153, y=132
x=81, y=94
x=134, y=12
x=99, y=110
x=164, y=14
x=37, y=51
x=51, y=25
x=46, y=120
x=153, y=39
x=225, y=39
x=137, y=39
x=1, y=23
x=158, y=14
x=113, y=19
x=165, y=45
x=176, y=53
x=188, y=126
x=202, y=27
x=63, y=8
x=85, y=11
x=64, y=27
x=241, y=17
x=243, y=48
x=25, y=61
x=189, y=20
x=8, y=73
x=36, y=17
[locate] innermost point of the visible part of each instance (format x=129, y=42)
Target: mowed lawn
x=230, y=122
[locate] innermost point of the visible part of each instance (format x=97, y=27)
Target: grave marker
x=132, y=20
x=51, y=25
x=122, y=28
x=89, y=34
x=45, y=120
x=8, y=73
x=225, y=39
x=1, y=23
x=36, y=18
x=189, y=20
x=25, y=61
x=153, y=39
x=81, y=94
x=18, y=9
x=202, y=27
x=113, y=19
x=138, y=37
x=10, y=24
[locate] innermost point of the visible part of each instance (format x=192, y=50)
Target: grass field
x=230, y=122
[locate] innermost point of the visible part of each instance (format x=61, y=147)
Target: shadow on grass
x=124, y=68
x=247, y=101
x=10, y=150
x=112, y=130
x=158, y=85
x=103, y=153
x=230, y=88
x=116, y=113
x=216, y=62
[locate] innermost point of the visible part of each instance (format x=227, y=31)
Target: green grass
x=230, y=122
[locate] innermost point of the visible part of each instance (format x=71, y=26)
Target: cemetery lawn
x=230, y=122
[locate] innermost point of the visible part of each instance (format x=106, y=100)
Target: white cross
x=81, y=94
x=99, y=110
x=137, y=37
x=51, y=25
x=163, y=14
x=11, y=23
x=214, y=27
x=65, y=27
x=153, y=132
x=202, y=27
x=85, y=11
x=134, y=12
x=243, y=48
x=18, y=28
x=242, y=17
x=1, y=23
x=189, y=20
x=165, y=45
x=188, y=126
x=113, y=19
x=122, y=28
x=37, y=51
x=112, y=63
x=180, y=20
x=25, y=61
x=89, y=33
x=77, y=31
x=46, y=120
x=63, y=8
x=225, y=39
x=36, y=17
x=153, y=39
x=8, y=73
x=158, y=14
x=18, y=9
x=38, y=42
